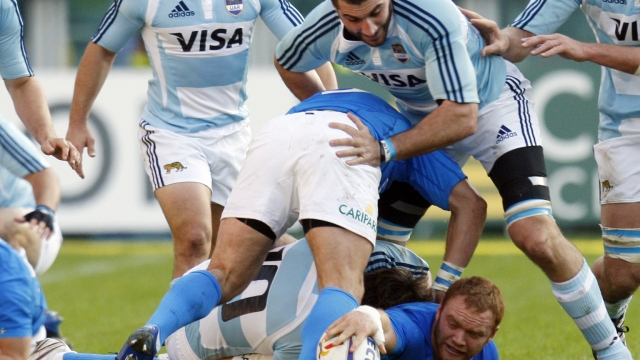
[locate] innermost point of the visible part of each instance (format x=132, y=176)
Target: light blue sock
x=616, y=310
x=191, y=298
x=580, y=297
x=331, y=305
x=80, y=356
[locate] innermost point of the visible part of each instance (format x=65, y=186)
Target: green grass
x=105, y=290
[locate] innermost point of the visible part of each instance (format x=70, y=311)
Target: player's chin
x=449, y=352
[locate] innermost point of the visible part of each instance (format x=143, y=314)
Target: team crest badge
x=234, y=7
x=399, y=52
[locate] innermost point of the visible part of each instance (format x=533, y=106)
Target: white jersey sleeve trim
x=207, y=7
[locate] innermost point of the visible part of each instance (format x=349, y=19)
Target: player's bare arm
x=448, y=124
x=46, y=191
x=92, y=73
x=327, y=76
x=31, y=106
x=506, y=42
x=15, y=348
x=617, y=57
x=362, y=325
x=302, y=85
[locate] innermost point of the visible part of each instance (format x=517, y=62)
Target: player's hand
x=81, y=138
x=497, y=42
x=354, y=323
x=364, y=147
x=40, y=220
x=63, y=150
x=556, y=44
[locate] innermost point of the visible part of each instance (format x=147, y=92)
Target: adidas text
x=181, y=14
x=500, y=138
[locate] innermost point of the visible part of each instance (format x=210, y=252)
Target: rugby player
x=194, y=131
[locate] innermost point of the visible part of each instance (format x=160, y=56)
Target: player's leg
x=513, y=156
x=258, y=207
x=180, y=175
x=618, y=272
x=341, y=257
x=187, y=208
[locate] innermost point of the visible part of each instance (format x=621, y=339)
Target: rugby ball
x=366, y=351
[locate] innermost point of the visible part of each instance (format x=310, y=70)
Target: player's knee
x=192, y=242
x=465, y=198
x=535, y=237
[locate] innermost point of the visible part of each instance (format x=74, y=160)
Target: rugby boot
x=143, y=344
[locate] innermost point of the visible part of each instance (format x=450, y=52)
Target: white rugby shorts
x=211, y=157
x=506, y=124
x=292, y=173
x=619, y=169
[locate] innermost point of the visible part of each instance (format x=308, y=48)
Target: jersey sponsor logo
x=366, y=217
x=174, y=165
x=621, y=2
x=397, y=79
x=504, y=133
x=181, y=10
x=234, y=7
x=622, y=29
x=353, y=60
x=207, y=39
x=626, y=31
x=606, y=186
x=399, y=52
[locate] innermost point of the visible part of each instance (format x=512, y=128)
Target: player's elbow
x=468, y=119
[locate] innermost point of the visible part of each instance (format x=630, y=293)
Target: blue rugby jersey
x=431, y=53
x=13, y=54
x=19, y=157
x=268, y=316
x=433, y=175
x=199, y=53
x=23, y=304
x=613, y=22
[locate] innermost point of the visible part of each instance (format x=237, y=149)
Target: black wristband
x=383, y=157
x=42, y=213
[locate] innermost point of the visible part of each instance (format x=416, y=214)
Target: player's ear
x=493, y=334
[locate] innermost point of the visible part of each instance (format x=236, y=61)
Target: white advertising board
x=115, y=196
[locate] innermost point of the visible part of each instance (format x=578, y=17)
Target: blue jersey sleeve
x=543, y=17
x=13, y=55
x=412, y=325
x=308, y=46
x=280, y=16
x=124, y=19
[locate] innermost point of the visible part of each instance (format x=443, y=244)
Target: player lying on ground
x=462, y=327
x=267, y=317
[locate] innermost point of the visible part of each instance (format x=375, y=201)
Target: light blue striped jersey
x=199, y=53
x=19, y=157
x=268, y=316
x=614, y=22
x=13, y=54
x=424, y=58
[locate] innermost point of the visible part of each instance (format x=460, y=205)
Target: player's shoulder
x=430, y=18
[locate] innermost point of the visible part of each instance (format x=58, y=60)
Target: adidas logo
x=353, y=59
x=504, y=133
x=181, y=10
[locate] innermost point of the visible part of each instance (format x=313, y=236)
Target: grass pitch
x=105, y=290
